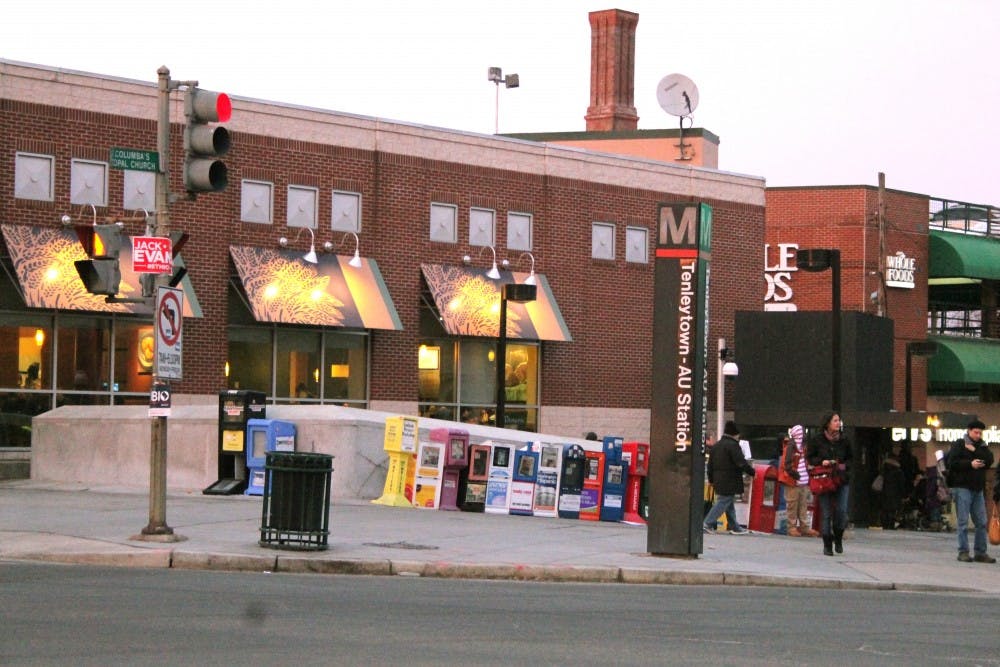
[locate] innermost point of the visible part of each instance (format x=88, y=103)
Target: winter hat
x=975, y=423
x=731, y=428
x=796, y=432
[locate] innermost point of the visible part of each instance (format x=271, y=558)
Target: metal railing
x=965, y=218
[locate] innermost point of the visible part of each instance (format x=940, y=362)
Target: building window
x=346, y=215
x=302, y=203
x=139, y=192
x=637, y=245
x=519, y=231
x=603, y=240
x=256, y=201
x=33, y=176
x=444, y=223
x=482, y=227
x=88, y=183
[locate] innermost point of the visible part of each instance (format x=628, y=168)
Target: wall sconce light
x=428, y=358
x=493, y=273
x=309, y=256
x=67, y=220
x=39, y=337
x=530, y=280
x=356, y=260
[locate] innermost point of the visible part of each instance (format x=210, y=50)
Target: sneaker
x=707, y=530
x=739, y=531
x=794, y=532
x=964, y=557
x=984, y=558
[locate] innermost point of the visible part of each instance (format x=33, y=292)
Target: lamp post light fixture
x=916, y=348
x=726, y=369
x=309, y=256
x=815, y=261
x=508, y=292
x=494, y=272
x=495, y=74
x=356, y=259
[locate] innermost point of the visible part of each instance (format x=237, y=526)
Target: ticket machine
x=400, y=444
x=522, y=485
x=547, y=482
x=498, y=483
x=472, y=489
x=456, y=458
x=236, y=408
x=636, y=456
x=571, y=481
x=263, y=436
x=427, y=477
x=593, y=485
x=615, y=475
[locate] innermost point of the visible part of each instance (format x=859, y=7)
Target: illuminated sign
x=900, y=270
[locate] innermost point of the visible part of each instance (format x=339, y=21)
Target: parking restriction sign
x=169, y=323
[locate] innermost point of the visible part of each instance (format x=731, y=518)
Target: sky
x=801, y=92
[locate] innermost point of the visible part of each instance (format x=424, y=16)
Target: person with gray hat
x=726, y=466
x=967, y=463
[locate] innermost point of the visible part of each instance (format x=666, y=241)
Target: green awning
x=962, y=360
x=957, y=255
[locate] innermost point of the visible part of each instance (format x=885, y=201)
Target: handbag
x=994, y=530
x=878, y=484
x=823, y=480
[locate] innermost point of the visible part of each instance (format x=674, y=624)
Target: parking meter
x=498, y=484
x=522, y=486
x=456, y=458
x=615, y=474
x=571, y=481
x=547, y=481
x=593, y=485
x=473, y=491
x=263, y=436
x=427, y=478
x=636, y=456
x=400, y=444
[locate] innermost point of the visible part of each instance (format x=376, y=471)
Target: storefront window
x=345, y=360
x=84, y=362
x=248, y=365
x=134, y=344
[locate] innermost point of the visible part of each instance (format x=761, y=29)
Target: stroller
x=927, y=506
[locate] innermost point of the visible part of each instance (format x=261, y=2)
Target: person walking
x=726, y=466
x=830, y=449
x=894, y=488
x=794, y=475
x=967, y=463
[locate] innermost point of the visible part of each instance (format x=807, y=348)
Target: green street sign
x=134, y=159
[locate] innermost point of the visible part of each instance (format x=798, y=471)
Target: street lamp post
x=508, y=292
x=916, y=349
x=725, y=369
x=817, y=260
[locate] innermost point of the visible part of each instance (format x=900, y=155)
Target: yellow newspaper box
x=400, y=443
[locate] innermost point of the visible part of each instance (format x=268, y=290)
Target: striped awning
x=468, y=302
x=282, y=287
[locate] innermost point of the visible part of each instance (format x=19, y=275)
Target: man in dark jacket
x=726, y=466
x=967, y=464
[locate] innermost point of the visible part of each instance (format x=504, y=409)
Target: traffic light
x=204, y=144
x=102, y=243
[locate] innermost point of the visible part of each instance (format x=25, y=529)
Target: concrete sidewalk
x=88, y=525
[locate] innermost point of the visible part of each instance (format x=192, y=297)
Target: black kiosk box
x=236, y=408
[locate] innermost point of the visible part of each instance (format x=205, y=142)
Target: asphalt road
x=79, y=615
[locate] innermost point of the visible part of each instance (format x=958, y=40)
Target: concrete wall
x=109, y=446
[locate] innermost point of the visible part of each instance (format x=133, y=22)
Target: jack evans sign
x=679, y=375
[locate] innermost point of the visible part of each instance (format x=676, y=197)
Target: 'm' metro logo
x=678, y=225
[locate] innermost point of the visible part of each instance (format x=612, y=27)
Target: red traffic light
x=223, y=108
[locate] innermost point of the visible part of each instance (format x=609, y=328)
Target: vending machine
x=547, y=482
x=236, y=408
x=593, y=484
x=263, y=436
x=636, y=456
x=400, y=444
x=522, y=486
x=456, y=457
x=571, y=481
x=498, y=483
x=474, y=478
x=427, y=477
x=615, y=474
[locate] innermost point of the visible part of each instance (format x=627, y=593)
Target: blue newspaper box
x=263, y=436
x=615, y=478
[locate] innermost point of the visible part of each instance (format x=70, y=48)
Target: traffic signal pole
x=157, y=530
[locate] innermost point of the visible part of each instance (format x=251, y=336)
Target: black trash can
x=296, y=510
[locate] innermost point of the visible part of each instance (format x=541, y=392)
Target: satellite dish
x=677, y=95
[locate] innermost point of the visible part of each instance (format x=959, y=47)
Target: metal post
x=499, y=418
x=835, y=266
x=720, y=392
x=158, y=530
x=909, y=380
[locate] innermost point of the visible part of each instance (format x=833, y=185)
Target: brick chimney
x=612, y=71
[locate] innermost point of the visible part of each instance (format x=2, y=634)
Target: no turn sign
x=169, y=323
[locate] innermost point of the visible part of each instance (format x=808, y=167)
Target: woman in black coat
x=830, y=448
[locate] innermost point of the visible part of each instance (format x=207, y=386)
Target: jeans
x=723, y=504
x=833, y=511
x=970, y=502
